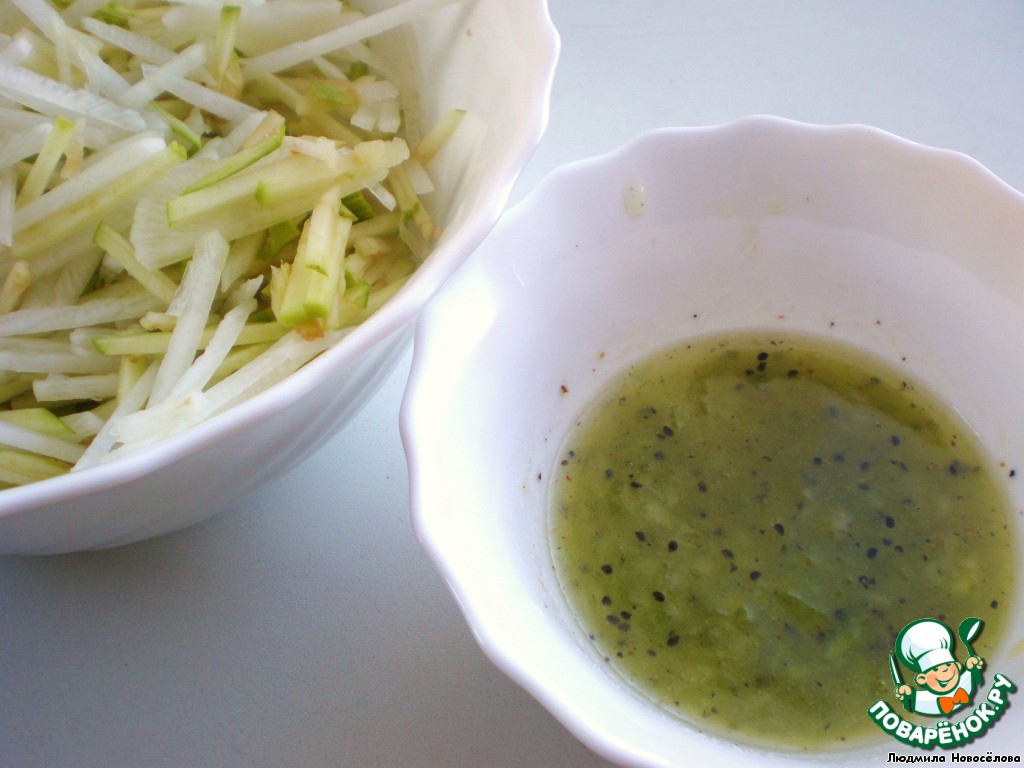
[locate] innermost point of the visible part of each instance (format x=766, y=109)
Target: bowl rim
x=497, y=647
x=402, y=308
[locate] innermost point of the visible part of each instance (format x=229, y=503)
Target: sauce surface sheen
x=744, y=523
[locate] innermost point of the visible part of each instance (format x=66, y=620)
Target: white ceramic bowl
x=910, y=252
x=493, y=58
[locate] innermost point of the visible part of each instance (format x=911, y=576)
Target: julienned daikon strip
x=8, y=196
x=51, y=97
x=151, y=84
x=100, y=76
x=286, y=356
x=207, y=99
x=40, y=13
x=83, y=424
x=295, y=53
x=198, y=287
x=55, y=362
x=14, y=436
x=63, y=388
x=126, y=146
x=145, y=48
x=174, y=416
x=270, y=25
x=131, y=402
x=96, y=312
x=224, y=339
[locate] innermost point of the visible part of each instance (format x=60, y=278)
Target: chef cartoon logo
x=943, y=687
x=945, y=684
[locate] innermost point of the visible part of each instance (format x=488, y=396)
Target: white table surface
x=305, y=628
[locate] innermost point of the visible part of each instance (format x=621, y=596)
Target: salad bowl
x=454, y=56
x=907, y=252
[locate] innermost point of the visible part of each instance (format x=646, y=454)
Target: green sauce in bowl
x=743, y=525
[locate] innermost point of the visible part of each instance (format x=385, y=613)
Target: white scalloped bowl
x=493, y=58
x=913, y=253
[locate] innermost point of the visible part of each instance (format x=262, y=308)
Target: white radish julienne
x=196, y=199
x=191, y=306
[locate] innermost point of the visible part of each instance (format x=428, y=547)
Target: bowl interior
x=847, y=232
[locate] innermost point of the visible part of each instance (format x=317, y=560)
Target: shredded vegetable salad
x=196, y=199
